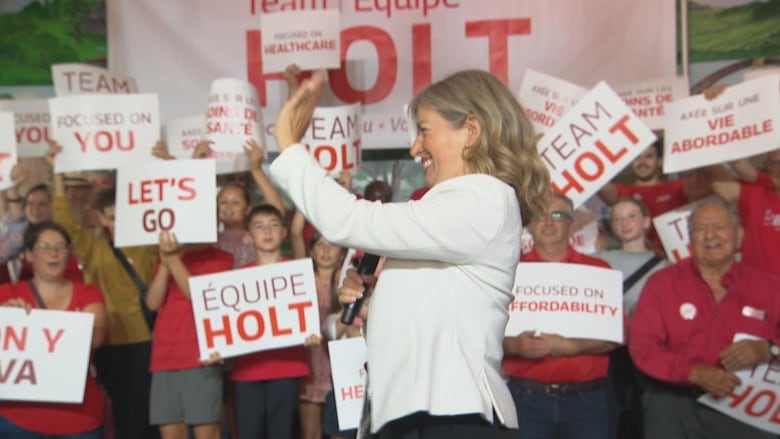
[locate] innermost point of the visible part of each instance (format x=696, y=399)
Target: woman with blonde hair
x=439, y=308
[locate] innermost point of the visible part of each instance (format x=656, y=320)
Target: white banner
x=672, y=228
x=592, y=143
x=310, y=39
x=333, y=138
x=77, y=79
x=546, y=98
x=166, y=195
x=255, y=309
x=571, y=300
x=31, y=119
x=756, y=401
x=742, y=122
x=8, y=156
x=104, y=131
x=348, y=369
x=648, y=98
x=233, y=115
x=44, y=355
x=182, y=136
x=390, y=50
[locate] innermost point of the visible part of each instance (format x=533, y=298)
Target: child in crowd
x=315, y=387
x=184, y=390
x=266, y=382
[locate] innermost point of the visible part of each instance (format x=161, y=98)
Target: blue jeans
x=582, y=415
x=9, y=430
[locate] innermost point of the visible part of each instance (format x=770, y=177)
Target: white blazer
x=437, y=315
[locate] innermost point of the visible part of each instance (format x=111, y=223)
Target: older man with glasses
x=559, y=384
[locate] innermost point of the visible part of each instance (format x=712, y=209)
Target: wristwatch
x=774, y=350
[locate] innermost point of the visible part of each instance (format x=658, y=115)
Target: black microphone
x=367, y=265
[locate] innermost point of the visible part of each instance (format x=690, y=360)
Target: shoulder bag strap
x=641, y=271
x=36, y=295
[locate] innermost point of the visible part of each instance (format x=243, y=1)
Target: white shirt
x=438, y=312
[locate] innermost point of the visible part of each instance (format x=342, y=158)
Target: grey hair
x=568, y=201
x=718, y=202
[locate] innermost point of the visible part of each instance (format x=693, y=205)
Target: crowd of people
x=439, y=363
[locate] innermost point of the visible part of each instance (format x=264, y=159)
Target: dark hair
x=263, y=209
x=34, y=231
x=105, y=199
x=244, y=192
x=378, y=190
x=40, y=187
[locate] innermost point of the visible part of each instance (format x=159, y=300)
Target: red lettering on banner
x=144, y=191
x=721, y=122
x=19, y=339
x=352, y=392
x=25, y=371
x=32, y=134
x=105, y=141
x=498, y=32
x=388, y=66
x=51, y=342
x=678, y=256
x=752, y=407
x=723, y=138
x=243, y=324
x=165, y=219
x=421, y=56
x=3, y=156
x=331, y=158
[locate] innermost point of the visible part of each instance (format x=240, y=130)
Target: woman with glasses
x=47, y=248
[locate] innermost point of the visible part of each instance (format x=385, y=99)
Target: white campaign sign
x=256, y=308
x=166, y=195
x=44, y=355
x=390, y=50
x=546, y=98
x=672, y=228
x=592, y=143
x=183, y=134
x=741, y=122
x=104, y=131
x=648, y=98
x=31, y=120
x=233, y=115
x=571, y=300
x=333, y=138
x=310, y=39
x=8, y=156
x=756, y=401
x=76, y=79
x=348, y=369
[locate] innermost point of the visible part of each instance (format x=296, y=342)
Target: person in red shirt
x=759, y=212
x=559, y=384
x=184, y=391
x=47, y=248
x=682, y=331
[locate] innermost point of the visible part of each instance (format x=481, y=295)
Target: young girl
x=314, y=388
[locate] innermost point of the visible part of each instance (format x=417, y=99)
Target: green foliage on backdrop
x=50, y=32
x=746, y=31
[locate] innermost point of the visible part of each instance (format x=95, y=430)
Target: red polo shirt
x=759, y=212
x=677, y=323
x=576, y=368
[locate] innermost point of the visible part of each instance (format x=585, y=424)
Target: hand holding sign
x=528, y=345
x=714, y=379
x=744, y=353
x=169, y=247
x=255, y=154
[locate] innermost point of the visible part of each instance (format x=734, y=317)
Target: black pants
x=425, y=426
x=124, y=372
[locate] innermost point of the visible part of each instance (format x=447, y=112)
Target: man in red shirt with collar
x=558, y=384
x=682, y=332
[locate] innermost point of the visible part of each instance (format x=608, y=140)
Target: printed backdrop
x=390, y=49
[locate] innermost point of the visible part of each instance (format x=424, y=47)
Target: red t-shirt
x=175, y=341
x=759, y=212
x=57, y=418
x=677, y=323
x=573, y=369
x=271, y=365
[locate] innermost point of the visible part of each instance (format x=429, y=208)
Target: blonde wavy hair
x=506, y=147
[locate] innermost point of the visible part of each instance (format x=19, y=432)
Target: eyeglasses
x=555, y=215
x=49, y=249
